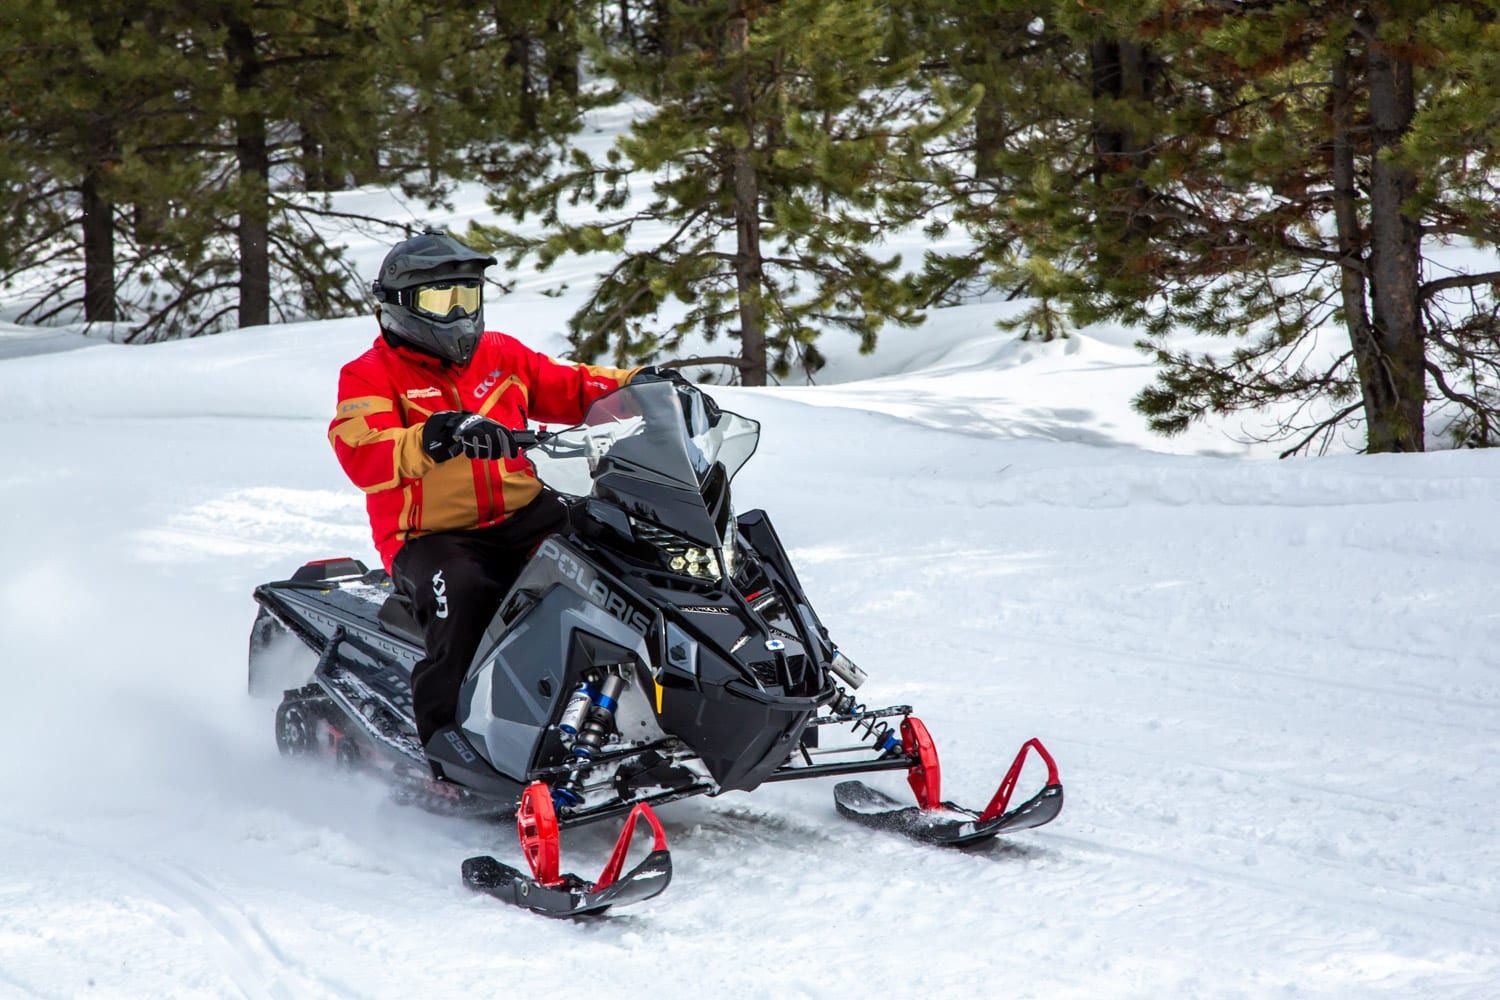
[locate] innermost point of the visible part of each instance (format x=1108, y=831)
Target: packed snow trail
x=1270, y=687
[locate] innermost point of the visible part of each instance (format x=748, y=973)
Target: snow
x=1270, y=687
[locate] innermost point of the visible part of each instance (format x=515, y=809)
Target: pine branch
x=1323, y=427
x=721, y=359
x=408, y=228
x=1469, y=403
x=62, y=307
x=1431, y=288
x=189, y=290
x=209, y=323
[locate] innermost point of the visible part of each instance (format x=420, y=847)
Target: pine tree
x=324, y=75
x=543, y=47
x=423, y=93
x=783, y=145
x=175, y=160
x=89, y=111
x=1000, y=49
x=1279, y=168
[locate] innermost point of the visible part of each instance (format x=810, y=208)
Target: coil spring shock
x=872, y=728
x=598, y=723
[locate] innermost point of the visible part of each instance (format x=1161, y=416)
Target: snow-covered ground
x=1271, y=688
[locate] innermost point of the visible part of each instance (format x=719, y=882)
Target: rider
x=424, y=427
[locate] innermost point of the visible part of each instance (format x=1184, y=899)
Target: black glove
x=437, y=435
x=482, y=438
x=655, y=373
x=450, y=433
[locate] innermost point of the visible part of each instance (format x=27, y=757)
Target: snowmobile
x=661, y=648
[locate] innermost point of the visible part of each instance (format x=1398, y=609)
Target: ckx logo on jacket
x=486, y=384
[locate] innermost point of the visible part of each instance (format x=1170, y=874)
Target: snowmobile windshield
x=656, y=432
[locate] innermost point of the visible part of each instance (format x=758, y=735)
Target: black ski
x=556, y=894
x=950, y=825
x=572, y=896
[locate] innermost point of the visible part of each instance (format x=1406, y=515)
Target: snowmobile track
x=1417, y=910
x=247, y=955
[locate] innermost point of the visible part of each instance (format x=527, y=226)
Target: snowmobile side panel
x=315, y=611
x=526, y=671
x=460, y=762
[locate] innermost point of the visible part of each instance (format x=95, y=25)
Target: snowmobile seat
x=396, y=618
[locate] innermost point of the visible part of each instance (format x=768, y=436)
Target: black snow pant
x=455, y=581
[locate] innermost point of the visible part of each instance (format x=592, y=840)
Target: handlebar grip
x=524, y=438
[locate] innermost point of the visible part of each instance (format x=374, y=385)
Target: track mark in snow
x=1331, y=894
x=237, y=946
x=250, y=958
x=1379, y=807
x=753, y=823
x=1402, y=695
x=20, y=989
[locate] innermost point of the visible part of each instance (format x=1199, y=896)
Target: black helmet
x=430, y=292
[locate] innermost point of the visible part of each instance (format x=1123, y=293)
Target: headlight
x=685, y=557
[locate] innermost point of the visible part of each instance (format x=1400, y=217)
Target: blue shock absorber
x=577, y=710
x=594, y=731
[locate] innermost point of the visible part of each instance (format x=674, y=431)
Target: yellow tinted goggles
x=441, y=300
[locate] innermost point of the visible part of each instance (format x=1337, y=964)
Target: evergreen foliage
x=168, y=165
x=90, y=148
x=1000, y=50
x=1269, y=171
x=1284, y=173
x=787, y=143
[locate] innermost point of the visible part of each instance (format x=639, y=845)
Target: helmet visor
x=440, y=300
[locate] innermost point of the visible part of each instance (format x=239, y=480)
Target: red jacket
x=387, y=393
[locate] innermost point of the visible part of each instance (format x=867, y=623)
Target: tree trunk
x=662, y=37
x=517, y=39
x=254, y=161
x=98, y=251
x=748, y=263
x=322, y=169
x=1122, y=71
x=989, y=133
x=563, y=51
x=1396, y=421
x=1351, y=243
